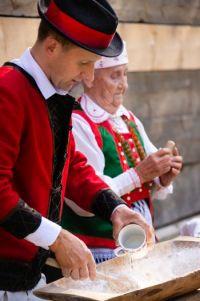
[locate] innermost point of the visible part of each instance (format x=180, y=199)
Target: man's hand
x=73, y=256
x=176, y=165
x=123, y=216
x=154, y=165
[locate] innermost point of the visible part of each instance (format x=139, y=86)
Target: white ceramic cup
x=132, y=239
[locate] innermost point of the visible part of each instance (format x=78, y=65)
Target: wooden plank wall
x=164, y=76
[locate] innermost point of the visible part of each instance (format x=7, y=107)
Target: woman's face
x=108, y=87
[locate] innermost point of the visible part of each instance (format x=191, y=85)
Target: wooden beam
x=150, y=47
x=15, y=36
x=146, y=11
x=185, y=12
x=161, y=47
x=19, y=8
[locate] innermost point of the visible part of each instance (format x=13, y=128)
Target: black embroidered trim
x=105, y=202
x=60, y=110
x=22, y=221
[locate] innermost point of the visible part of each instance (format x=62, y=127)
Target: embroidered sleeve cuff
x=105, y=202
x=125, y=182
x=22, y=221
x=135, y=178
x=45, y=235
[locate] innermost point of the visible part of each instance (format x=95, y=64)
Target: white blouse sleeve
x=87, y=144
x=162, y=192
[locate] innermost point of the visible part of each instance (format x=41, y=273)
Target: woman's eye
x=114, y=76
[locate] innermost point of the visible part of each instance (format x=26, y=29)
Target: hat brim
x=114, y=49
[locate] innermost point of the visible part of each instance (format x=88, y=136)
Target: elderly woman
x=116, y=145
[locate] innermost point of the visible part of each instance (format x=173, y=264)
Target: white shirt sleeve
x=87, y=144
x=45, y=235
x=162, y=192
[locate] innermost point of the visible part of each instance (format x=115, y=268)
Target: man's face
x=109, y=86
x=70, y=66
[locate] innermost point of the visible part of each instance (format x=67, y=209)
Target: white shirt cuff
x=135, y=178
x=45, y=235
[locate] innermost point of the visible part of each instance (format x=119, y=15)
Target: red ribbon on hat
x=76, y=30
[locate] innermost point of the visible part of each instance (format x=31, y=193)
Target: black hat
x=90, y=24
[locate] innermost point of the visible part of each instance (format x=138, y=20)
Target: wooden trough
x=171, y=269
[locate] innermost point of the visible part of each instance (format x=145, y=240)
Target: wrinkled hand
x=123, y=216
x=154, y=165
x=73, y=256
x=176, y=165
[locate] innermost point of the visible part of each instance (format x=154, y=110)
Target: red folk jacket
x=26, y=152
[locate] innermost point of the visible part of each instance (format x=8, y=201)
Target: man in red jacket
x=37, y=150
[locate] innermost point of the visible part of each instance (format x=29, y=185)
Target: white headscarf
x=106, y=62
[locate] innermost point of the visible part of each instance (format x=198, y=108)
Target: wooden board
x=185, y=279
x=194, y=296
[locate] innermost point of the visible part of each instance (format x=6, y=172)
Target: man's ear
x=51, y=46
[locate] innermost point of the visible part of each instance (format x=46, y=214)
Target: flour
x=128, y=274
x=155, y=268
